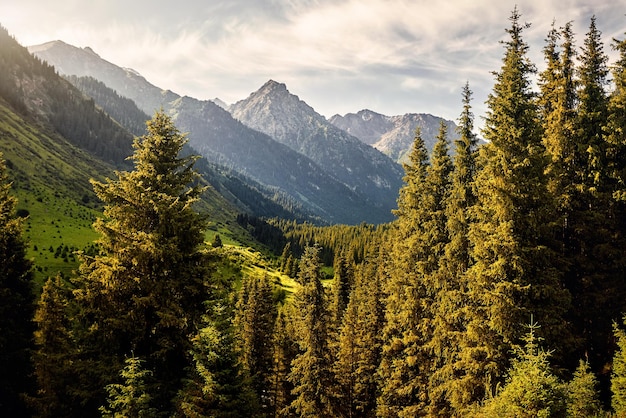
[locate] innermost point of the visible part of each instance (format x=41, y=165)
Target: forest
x=498, y=291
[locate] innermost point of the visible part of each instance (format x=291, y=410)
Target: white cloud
x=393, y=56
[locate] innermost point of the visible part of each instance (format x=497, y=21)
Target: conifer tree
x=16, y=305
x=557, y=104
x=512, y=276
x=359, y=346
x=453, y=384
x=144, y=292
x=310, y=370
x=531, y=389
x=53, y=357
x=582, y=393
x=285, y=350
x=598, y=285
x=406, y=362
x=618, y=373
x=342, y=282
x=131, y=398
x=254, y=320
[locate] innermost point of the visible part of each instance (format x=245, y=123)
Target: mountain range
x=342, y=170
x=393, y=135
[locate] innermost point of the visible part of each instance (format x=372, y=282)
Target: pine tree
x=285, y=350
x=16, y=305
x=418, y=244
x=342, y=282
x=215, y=386
x=453, y=384
x=53, y=357
x=310, y=370
x=598, y=286
x=557, y=104
x=131, y=398
x=531, y=389
x=359, y=346
x=582, y=393
x=512, y=276
x=618, y=373
x=254, y=320
x=144, y=292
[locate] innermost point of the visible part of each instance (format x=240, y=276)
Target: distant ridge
x=393, y=135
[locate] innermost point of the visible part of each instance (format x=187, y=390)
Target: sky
x=340, y=56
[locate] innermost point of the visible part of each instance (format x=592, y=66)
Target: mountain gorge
x=393, y=135
x=223, y=140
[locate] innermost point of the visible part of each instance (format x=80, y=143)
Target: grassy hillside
x=51, y=181
x=50, y=178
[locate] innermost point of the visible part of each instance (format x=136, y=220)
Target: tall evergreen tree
x=285, y=351
x=598, y=289
x=54, y=355
x=360, y=345
x=557, y=104
x=310, y=370
x=17, y=305
x=144, y=293
x=254, y=320
x=453, y=384
x=512, y=276
x=419, y=242
x=342, y=282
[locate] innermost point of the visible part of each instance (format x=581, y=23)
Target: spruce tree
x=531, y=389
x=130, y=399
x=418, y=243
x=254, y=320
x=453, y=384
x=144, y=292
x=512, y=276
x=618, y=373
x=310, y=370
x=582, y=393
x=285, y=351
x=53, y=357
x=598, y=285
x=17, y=305
x=359, y=348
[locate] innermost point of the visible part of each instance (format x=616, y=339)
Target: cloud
x=393, y=56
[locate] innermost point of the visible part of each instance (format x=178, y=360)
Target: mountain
x=246, y=195
x=217, y=136
x=224, y=141
x=275, y=111
x=392, y=135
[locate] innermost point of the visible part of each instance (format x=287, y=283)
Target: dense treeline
x=498, y=291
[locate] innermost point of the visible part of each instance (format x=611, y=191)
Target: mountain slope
x=275, y=111
x=392, y=135
x=54, y=140
x=224, y=141
x=247, y=195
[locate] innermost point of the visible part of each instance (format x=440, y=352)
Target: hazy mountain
x=222, y=140
x=393, y=135
x=275, y=111
x=244, y=193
